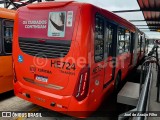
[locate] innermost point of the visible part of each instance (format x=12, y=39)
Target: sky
x=115, y=5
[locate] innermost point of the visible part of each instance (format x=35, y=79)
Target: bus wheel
x=117, y=83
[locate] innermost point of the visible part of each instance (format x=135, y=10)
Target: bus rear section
x=6, y=32
x=47, y=51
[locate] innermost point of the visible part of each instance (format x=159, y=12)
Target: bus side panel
x=6, y=74
x=85, y=39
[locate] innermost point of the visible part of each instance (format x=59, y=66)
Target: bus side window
x=121, y=40
x=110, y=29
x=132, y=42
x=127, y=40
x=139, y=40
x=99, y=39
x=7, y=35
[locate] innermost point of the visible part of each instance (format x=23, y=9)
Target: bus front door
x=6, y=75
x=109, y=53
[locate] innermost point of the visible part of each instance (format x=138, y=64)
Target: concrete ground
x=9, y=102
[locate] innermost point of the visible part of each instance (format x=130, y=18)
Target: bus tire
x=117, y=83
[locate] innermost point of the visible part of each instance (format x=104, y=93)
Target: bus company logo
x=32, y=69
x=45, y=71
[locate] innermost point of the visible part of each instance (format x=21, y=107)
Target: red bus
x=6, y=32
x=69, y=55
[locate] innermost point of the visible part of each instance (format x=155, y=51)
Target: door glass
x=99, y=39
x=110, y=29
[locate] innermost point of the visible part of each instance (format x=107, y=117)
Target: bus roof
x=55, y=4
x=117, y=19
x=6, y=13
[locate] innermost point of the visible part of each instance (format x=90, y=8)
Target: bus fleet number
x=63, y=65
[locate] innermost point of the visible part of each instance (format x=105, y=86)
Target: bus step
x=129, y=94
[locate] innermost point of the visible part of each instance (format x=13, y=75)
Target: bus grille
x=45, y=48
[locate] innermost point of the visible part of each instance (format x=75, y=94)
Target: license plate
x=41, y=78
